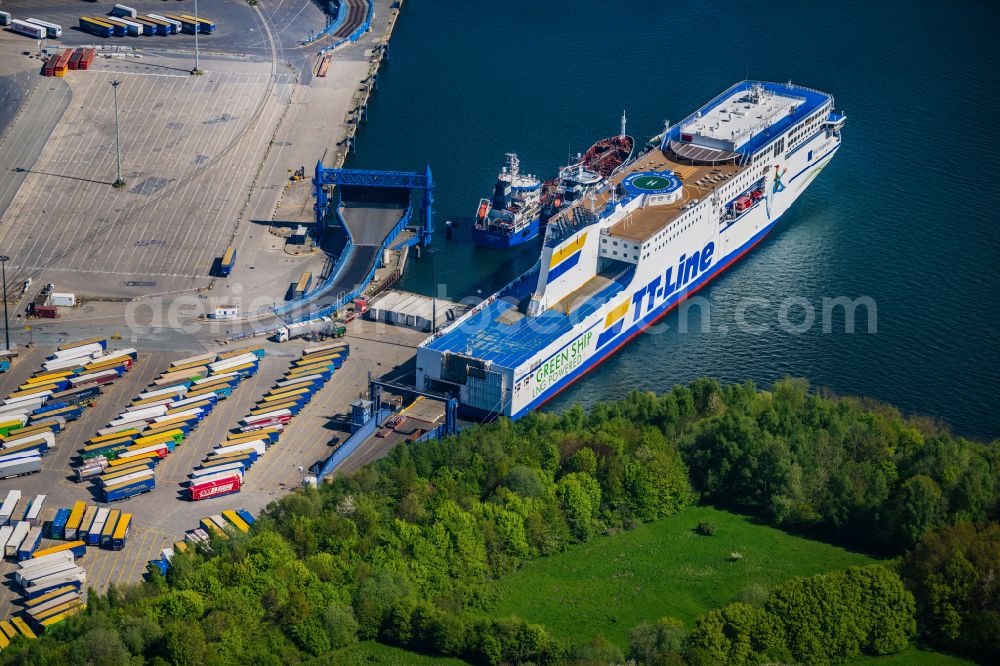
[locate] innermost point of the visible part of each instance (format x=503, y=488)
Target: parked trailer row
x=125, y=21
x=156, y=420
x=222, y=471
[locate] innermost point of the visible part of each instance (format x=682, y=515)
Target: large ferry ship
x=666, y=223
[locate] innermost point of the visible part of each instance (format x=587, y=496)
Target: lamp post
x=197, y=29
x=6, y=330
x=119, y=181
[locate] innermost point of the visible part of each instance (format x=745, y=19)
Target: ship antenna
x=515, y=165
x=623, y=124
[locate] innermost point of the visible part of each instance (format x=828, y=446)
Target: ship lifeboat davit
x=483, y=208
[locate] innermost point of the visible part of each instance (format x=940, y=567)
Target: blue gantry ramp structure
x=359, y=213
x=396, y=186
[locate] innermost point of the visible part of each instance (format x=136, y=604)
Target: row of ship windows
x=667, y=230
x=807, y=127
x=604, y=241
x=666, y=240
x=750, y=177
x=624, y=255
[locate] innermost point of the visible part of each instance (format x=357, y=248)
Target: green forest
x=412, y=551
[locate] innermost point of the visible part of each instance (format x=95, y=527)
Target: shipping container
x=21, y=530
x=257, y=351
x=163, y=28
x=118, y=434
x=49, y=568
x=235, y=520
x=17, y=440
x=184, y=425
x=57, y=529
x=178, y=377
x=32, y=593
x=83, y=533
x=121, y=531
x=216, y=488
x=175, y=434
x=21, y=467
x=7, y=508
x=317, y=380
x=151, y=27
x=66, y=413
x=22, y=627
x=300, y=288
x=52, y=30
x=131, y=489
x=175, y=26
x=269, y=434
x=120, y=28
x=7, y=425
x=228, y=260
x=139, y=470
x=76, y=575
x=227, y=364
x=246, y=516
x=52, y=599
x=50, y=621
x=141, y=453
x=94, y=536
x=212, y=528
x=123, y=11
x=77, y=548
x=205, y=405
x=75, y=518
x=83, y=353
x=329, y=347
x=89, y=342
x=87, y=59
x=206, y=25
x=35, y=511
x=109, y=528
x=108, y=450
x=294, y=405
x=30, y=543
x=44, y=599
x=257, y=445
x=176, y=391
x=78, y=396
x=228, y=468
x=5, y=533
x=99, y=377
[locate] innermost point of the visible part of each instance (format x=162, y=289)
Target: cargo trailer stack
x=20, y=525
x=70, y=380
x=222, y=471
x=230, y=521
x=15, y=626
x=85, y=525
x=121, y=458
x=57, y=65
x=53, y=585
x=124, y=21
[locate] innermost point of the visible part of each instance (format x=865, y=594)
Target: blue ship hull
x=506, y=241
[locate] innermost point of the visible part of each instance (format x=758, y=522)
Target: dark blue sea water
x=905, y=214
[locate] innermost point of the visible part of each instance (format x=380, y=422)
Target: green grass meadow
x=370, y=653
x=609, y=585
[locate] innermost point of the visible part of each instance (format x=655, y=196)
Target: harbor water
x=903, y=215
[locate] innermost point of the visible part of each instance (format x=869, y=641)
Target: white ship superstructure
x=666, y=224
